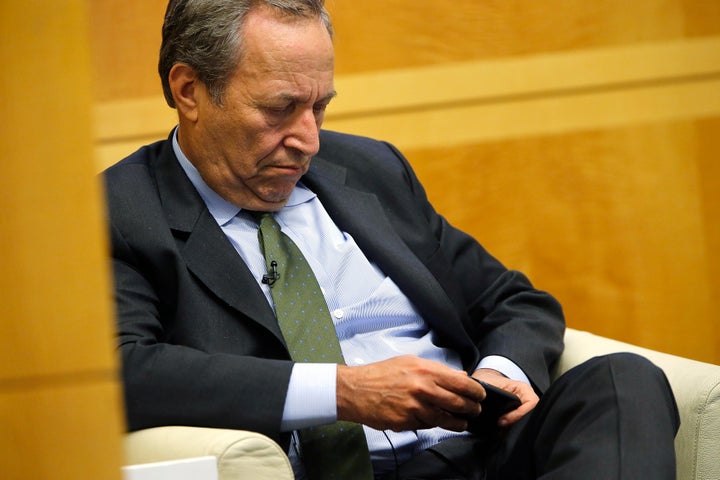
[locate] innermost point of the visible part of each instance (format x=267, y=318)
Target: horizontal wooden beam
x=475, y=101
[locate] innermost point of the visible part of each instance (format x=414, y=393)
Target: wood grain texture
x=60, y=403
x=125, y=45
x=387, y=34
x=375, y=35
x=61, y=432
x=610, y=221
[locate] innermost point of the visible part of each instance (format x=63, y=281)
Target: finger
x=464, y=385
x=453, y=423
x=439, y=418
x=454, y=404
x=459, y=394
x=515, y=415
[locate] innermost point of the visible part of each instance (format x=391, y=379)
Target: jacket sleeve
x=502, y=311
x=187, y=357
x=499, y=310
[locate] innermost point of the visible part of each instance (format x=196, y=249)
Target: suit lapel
x=202, y=243
x=361, y=215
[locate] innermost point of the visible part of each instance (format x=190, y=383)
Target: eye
x=320, y=107
x=281, y=109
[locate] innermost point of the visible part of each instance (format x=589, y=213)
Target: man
x=417, y=306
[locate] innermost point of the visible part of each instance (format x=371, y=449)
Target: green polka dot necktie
x=338, y=451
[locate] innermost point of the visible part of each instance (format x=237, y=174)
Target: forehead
x=285, y=55
x=271, y=36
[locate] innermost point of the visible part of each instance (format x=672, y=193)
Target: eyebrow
x=330, y=96
x=292, y=98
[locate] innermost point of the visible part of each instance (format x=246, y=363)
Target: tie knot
x=259, y=217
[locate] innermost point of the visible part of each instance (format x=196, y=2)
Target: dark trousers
x=612, y=417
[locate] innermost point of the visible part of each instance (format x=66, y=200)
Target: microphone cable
x=392, y=448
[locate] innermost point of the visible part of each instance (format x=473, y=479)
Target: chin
x=277, y=197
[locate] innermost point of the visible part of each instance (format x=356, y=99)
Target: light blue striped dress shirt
x=373, y=318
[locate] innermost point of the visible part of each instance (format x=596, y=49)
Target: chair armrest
x=240, y=454
x=696, y=386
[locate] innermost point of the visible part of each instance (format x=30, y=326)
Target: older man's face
x=255, y=147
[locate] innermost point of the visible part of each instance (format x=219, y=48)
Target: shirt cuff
x=311, y=398
x=504, y=366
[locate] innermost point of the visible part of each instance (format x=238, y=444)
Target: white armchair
x=242, y=455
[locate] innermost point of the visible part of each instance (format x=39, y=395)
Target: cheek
x=265, y=143
x=247, y=155
x=245, y=142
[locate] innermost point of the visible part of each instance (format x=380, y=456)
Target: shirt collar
x=222, y=210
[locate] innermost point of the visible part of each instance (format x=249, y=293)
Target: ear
x=185, y=88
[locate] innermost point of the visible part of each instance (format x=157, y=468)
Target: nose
x=304, y=132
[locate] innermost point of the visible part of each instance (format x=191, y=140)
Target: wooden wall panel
x=701, y=17
x=126, y=41
x=708, y=158
x=377, y=35
x=60, y=401
x=590, y=130
x=382, y=34
x=61, y=431
x=610, y=221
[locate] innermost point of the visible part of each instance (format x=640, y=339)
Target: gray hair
x=207, y=36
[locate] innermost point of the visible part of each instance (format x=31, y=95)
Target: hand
x=407, y=393
x=525, y=392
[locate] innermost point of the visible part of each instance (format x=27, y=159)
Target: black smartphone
x=496, y=403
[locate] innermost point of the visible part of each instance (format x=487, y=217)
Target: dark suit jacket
x=200, y=344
